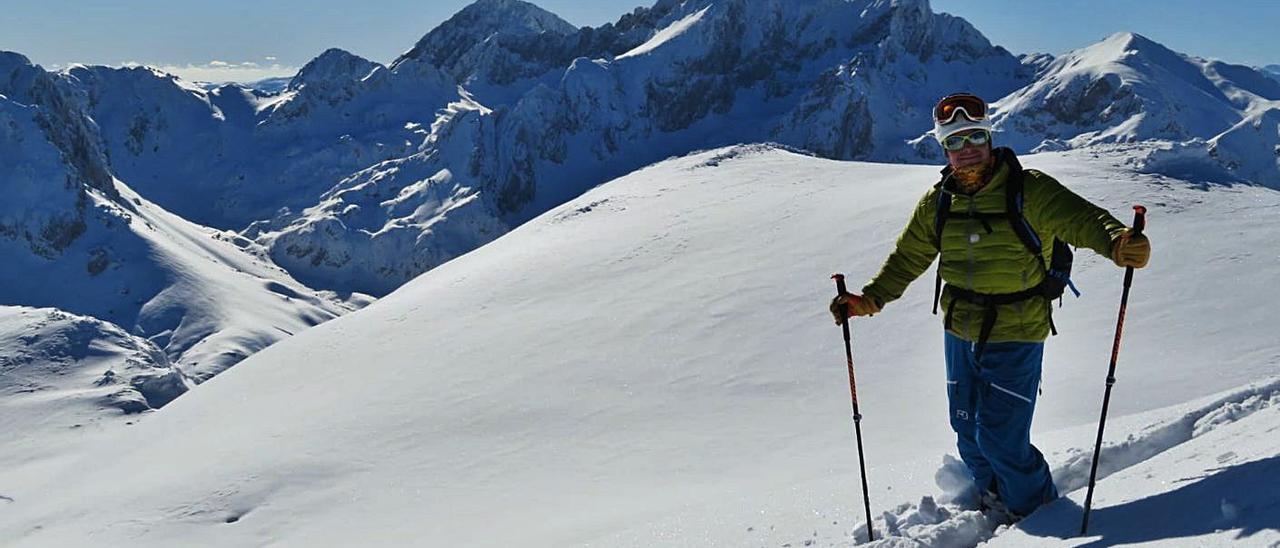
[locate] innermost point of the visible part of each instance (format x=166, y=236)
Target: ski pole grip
x=839, y=278
x=1139, y=218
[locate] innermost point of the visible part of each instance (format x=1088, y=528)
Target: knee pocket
x=1005, y=411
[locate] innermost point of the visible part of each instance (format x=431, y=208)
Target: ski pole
x=853, y=393
x=1139, y=223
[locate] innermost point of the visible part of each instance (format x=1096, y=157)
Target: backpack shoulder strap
x=941, y=213
x=1014, y=195
x=940, y=222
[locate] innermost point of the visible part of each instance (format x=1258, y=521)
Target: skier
x=992, y=223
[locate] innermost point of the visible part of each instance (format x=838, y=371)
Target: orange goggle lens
x=974, y=108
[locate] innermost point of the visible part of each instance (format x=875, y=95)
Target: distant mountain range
x=1271, y=70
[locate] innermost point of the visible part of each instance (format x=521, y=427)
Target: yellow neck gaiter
x=971, y=178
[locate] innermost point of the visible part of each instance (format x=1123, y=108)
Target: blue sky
x=241, y=39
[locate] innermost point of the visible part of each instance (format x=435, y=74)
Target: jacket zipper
x=969, y=273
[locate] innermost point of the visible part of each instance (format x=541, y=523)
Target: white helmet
x=959, y=112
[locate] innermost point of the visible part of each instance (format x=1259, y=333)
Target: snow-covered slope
x=67, y=380
x=1129, y=88
x=1199, y=474
x=133, y=305
x=75, y=238
x=652, y=364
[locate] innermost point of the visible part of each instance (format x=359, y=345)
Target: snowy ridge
x=48, y=340
x=1129, y=88
x=746, y=71
x=687, y=393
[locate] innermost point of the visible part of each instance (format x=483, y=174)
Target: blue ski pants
x=991, y=403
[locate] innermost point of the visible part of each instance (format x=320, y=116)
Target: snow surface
x=652, y=364
x=668, y=33
x=68, y=379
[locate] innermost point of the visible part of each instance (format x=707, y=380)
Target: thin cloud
x=221, y=71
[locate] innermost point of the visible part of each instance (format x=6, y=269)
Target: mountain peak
x=514, y=16
x=333, y=65
x=1123, y=44
x=1132, y=39
x=474, y=24
x=13, y=58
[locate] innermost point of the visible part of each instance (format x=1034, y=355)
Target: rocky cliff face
x=824, y=75
x=49, y=155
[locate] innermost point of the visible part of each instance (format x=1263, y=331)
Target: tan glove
x=857, y=305
x=1131, y=248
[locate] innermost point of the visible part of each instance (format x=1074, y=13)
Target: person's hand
x=856, y=305
x=1131, y=248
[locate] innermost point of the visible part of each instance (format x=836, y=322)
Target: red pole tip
x=1140, y=210
x=837, y=276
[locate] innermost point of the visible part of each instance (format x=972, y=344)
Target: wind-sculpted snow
x=66, y=380
x=46, y=350
x=955, y=524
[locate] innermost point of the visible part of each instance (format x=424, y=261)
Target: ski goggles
x=957, y=142
x=973, y=107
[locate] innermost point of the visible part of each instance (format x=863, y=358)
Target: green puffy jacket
x=997, y=262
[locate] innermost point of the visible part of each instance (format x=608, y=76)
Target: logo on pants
x=962, y=414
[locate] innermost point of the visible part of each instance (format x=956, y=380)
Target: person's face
x=971, y=154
